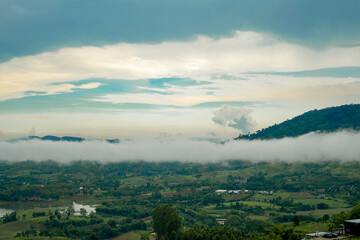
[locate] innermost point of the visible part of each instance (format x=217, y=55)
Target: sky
x=206, y=68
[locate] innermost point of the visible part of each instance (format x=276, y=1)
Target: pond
x=4, y=211
x=89, y=209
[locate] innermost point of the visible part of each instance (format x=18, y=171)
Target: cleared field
x=249, y=203
x=331, y=203
x=134, y=181
x=260, y=218
x=229, y=197
x=128, y=236
x=311, y=227
x=24, y=205
x=261, y=204
x=10, y=229
x=322, y=212
x=283, y=195
x=301, y=195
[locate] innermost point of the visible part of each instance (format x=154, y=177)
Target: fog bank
x=342, y=146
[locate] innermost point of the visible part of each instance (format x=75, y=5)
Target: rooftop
x=353, y=221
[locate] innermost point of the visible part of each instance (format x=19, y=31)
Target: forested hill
x=325, y=120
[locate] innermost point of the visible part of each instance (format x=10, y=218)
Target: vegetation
x=166, y=222
x=336, y=220
x=9, y=217
x=280, y=200
x=324, y=120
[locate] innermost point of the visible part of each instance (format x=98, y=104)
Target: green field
x=8, y=230
x=331, y=203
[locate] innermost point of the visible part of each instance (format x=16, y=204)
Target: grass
x=128, y=236
x=234, y=197
x=331, y=203
x=261, y=204
x=322, y=212
x=283, y=195
x=312, y=227
x=261, y=218
x=133, y=181
x=301, y=195
x=23, y=205
x=249, y=203
x=41, y=238
x=10, y=229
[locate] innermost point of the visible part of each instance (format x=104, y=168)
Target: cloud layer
x=311, y=147
x=243, y=52
x=39, y=25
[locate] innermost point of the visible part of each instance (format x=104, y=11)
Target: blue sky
x=204, y=68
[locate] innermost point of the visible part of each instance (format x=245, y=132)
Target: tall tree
x=166, y=221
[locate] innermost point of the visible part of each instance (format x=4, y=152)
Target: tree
x=296, y=221
x=83, y=212
x=322, y=206
x=70, y=210
x=234, y=220
x=166, y=221
x=326, y=218
x=9, y=217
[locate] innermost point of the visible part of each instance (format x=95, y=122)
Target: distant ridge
x=65, y=139
x=329, y=119
x=57, y=139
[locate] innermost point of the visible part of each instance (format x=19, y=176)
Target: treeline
x=127, y=211
x=93, y=227
x=231, y=233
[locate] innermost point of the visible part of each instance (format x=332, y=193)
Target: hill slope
x=325, y=120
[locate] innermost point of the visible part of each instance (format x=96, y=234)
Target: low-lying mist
x=343, y=146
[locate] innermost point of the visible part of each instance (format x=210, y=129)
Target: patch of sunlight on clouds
x=242, y=52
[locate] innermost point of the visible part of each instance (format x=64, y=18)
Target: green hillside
x=324, y=120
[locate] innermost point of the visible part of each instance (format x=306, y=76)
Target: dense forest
x=345, y=117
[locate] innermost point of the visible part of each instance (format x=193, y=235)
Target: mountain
x=329, y=119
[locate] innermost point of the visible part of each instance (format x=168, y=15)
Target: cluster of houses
x=221, y=191
x=349, y=228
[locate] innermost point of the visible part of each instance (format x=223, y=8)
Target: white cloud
x=235, y=117
x=251, y=87
x=88, y=85
x=310, y=147
x=243, y=52
x=62, y=88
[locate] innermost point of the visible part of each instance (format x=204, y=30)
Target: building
x=219, y=191
x=221, y=221
x=352, y=227
x=320, y=235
